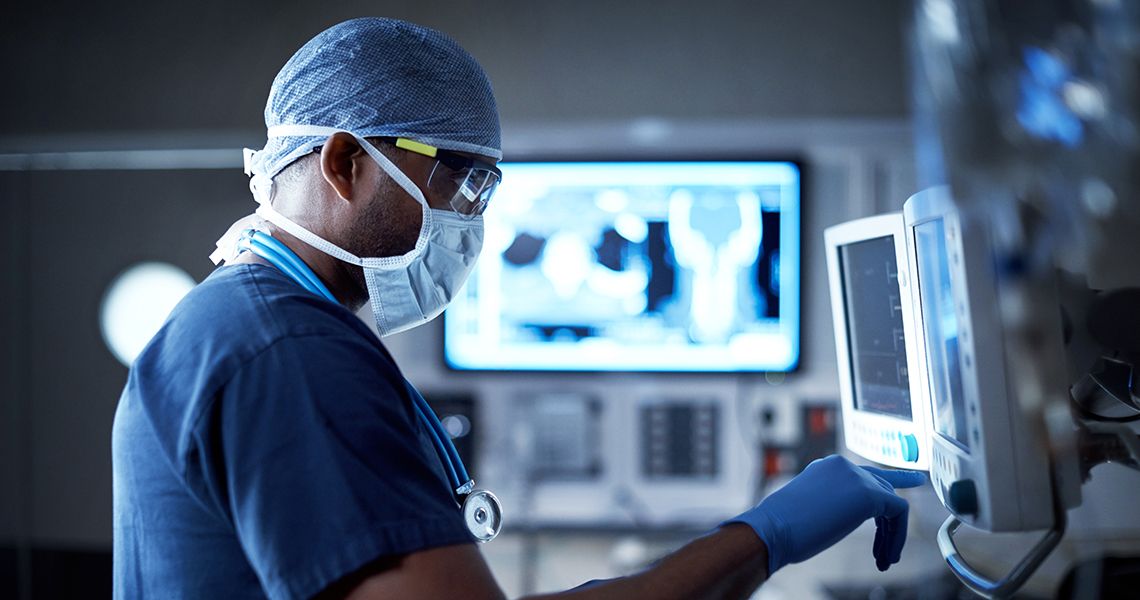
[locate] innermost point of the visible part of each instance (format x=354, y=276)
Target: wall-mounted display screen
x=635, y=266
x=875, y=338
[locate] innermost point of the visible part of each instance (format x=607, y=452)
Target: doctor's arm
x=821, y=506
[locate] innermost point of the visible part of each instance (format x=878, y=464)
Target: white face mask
x=408, y=290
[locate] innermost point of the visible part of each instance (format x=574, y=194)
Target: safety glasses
x=467, y=182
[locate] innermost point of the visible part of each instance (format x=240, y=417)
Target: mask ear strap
x=263, y=193
x=266, y=212
x=393, y=171
x=399, y=177
x=385, y=163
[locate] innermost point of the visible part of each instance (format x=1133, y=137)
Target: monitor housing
x=986, y=465
x=664, y=266
x=878, y=342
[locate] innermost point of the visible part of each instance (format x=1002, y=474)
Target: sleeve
x=321, y=467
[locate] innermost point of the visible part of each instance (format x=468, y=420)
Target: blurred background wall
x=120, y=130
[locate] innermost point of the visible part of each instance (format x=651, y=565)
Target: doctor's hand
x=827, y=501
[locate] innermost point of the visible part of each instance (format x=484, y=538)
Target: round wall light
x=136, y=305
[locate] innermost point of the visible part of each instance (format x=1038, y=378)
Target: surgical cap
x=379, y=77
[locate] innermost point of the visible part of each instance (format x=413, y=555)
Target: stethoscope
x=482, y=512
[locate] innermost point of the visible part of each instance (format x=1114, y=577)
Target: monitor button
x=908, y=445
x=962, y=497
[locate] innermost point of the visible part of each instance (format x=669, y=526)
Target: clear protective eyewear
x=468, y=183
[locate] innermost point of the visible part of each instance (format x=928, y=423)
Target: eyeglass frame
x=452, y=160
x=458, y=163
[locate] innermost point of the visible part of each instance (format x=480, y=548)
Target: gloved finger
x=878, y=549
x=898, y=479
x=892, y=525
x=896, y=528
x=881, y=562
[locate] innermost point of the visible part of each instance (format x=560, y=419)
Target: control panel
x=679, y=439
x=887, y=441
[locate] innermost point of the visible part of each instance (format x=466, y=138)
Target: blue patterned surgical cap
x=379, y=77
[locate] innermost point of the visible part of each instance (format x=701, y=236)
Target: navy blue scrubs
x=265, y=445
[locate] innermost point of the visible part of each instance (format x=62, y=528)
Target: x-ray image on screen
x=669, y=266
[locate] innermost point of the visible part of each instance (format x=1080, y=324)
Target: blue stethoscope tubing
x=442, y=441
x=279, y=255
x=287, y=261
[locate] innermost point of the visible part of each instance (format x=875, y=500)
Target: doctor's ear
x=342, y=165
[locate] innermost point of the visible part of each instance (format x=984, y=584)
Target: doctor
x=266, y=444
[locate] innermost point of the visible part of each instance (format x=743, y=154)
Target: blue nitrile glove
x=827, y=501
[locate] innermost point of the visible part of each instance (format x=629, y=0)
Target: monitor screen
x=875, y=338
x=635, y=266
x=941, y=325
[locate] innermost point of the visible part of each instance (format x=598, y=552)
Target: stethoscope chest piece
x=483, y=515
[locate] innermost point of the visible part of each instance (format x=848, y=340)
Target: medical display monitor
x=878, y=343
x=635, y=266
x=987, y=465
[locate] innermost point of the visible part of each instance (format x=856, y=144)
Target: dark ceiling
x=114, y=67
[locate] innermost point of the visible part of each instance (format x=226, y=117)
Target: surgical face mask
x=408, y=290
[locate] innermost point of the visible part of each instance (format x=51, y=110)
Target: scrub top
x=265, y=445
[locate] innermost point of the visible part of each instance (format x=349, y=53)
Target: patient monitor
x=953, y=360
x=926, y=375
x=988, y=464
x=878, y=342
x=932, y=375
x=1027, y=284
